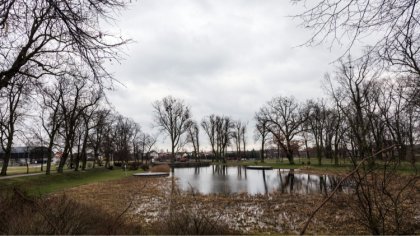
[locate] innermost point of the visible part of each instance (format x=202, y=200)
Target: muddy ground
x=146, y=200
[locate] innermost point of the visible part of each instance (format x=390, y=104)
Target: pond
x=223, y=179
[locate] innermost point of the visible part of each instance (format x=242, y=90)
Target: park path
x=31, y=174
x=20, y=175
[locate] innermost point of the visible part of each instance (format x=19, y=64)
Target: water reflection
x=223, y=179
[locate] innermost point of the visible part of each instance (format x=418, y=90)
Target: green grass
x=44, y=184
x=16, y=170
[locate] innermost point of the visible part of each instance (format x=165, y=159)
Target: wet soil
x=145, y=199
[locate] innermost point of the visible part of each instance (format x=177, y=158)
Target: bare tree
x=395, y=24
x=209, y=126
x=172, y=116
x=136, y=141
x=47, y=37
x=356, y=80
x=51, y=96
x=244, y=136
x=398, y=115
x=371, y=116
x=87, y=126
x=219, y=129
x=315, y=121
x=238, y=135
x=12, y=100
x=96, y=137
x=284, y=118
x=262, y=133
x=123, y=132
x=106, y=140
x=193, y=137
x=147, y=142
x=80, y=95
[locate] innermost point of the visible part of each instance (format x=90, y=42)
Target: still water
x=222, y=179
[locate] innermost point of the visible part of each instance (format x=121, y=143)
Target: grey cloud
x=224, y=57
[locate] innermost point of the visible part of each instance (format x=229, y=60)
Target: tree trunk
x=262, y=150
x=27, y=163
x=95, y=157
x=63, y=160
x=289, y=152
x=335, y=154
x=173, y=155
x=84, y=155
x=78, y=155
x=289, y=155
x=7, y=153
x=306, y=147
x=49, y=159
x=107, y=162
x=5, y=163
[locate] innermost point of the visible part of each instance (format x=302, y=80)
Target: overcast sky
x=221, y=57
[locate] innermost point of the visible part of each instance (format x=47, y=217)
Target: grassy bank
x=300, y=163
x=43, y=184
x=312, y=165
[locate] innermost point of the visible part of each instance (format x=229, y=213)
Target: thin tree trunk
x=7, y=156
x=49, y=158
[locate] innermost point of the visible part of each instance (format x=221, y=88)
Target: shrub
x=21, y=214
x=189, y=217
x=133, y=166
x=161, y=168
x=144, y=167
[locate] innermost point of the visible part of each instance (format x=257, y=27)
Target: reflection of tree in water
x=220, y=170
x=197, y=171
x=225, y=180
x=306, y=183
x=309, y=183
x=323, y=184
x=334, y=182
x=329, y=182
x=287, y=181
x=220, y=174
x=265, y=182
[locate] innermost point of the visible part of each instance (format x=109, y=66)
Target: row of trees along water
x=364, y=113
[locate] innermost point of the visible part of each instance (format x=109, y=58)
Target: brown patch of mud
x=311, y=170
x=147, y=199
x=138, y=196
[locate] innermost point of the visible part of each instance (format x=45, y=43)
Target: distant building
x=153, y=154
x=23, y=155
